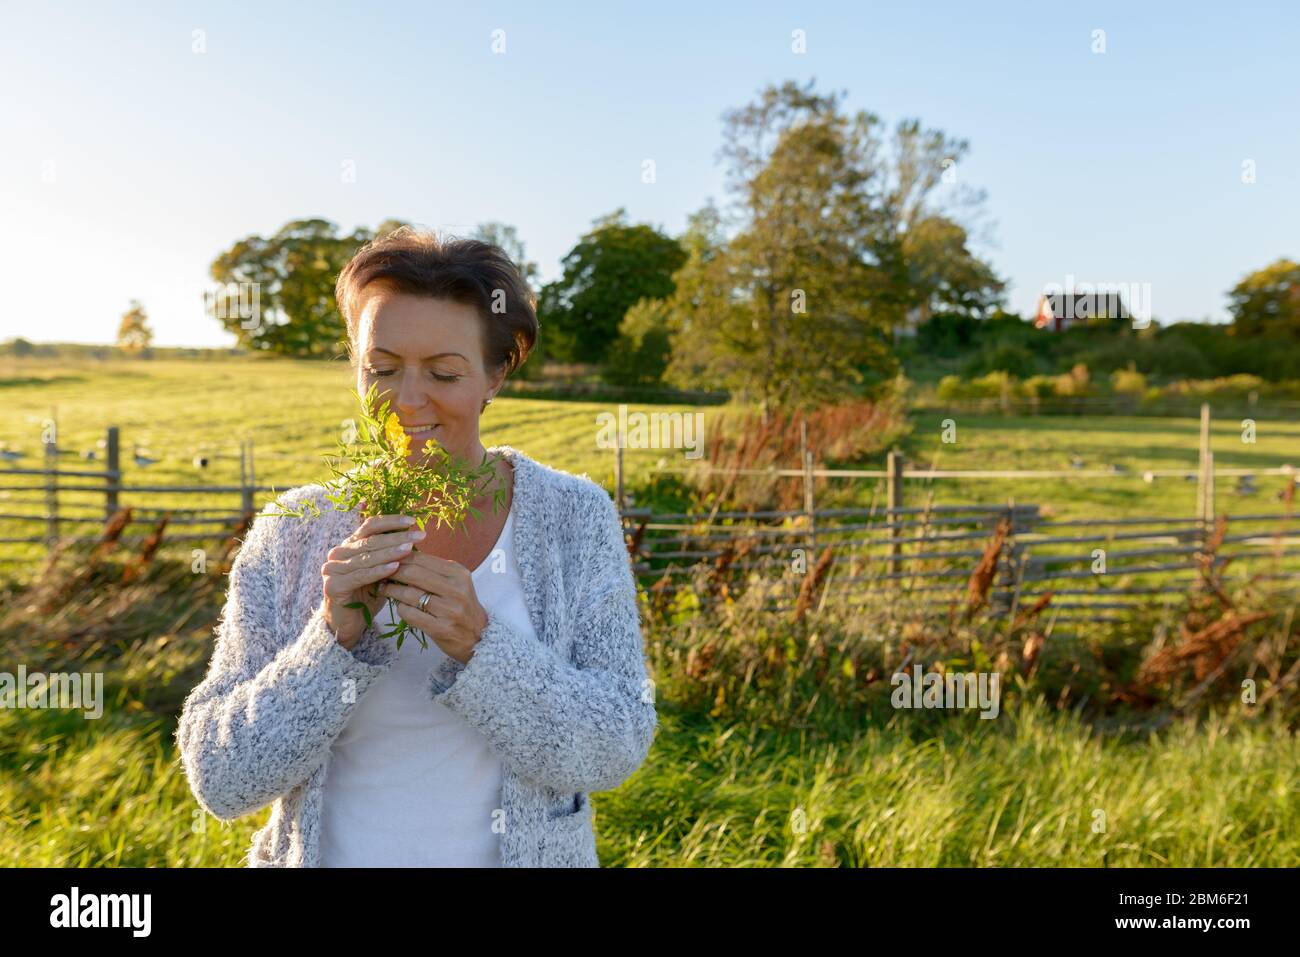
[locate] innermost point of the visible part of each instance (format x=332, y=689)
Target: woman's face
x=425, y=356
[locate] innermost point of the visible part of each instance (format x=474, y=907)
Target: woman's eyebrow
x=438, y=356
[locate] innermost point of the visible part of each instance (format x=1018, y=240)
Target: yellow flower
x=396, y=435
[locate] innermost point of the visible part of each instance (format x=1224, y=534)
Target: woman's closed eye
x=441, y=378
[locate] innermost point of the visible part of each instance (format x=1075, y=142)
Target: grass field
x=1028, y=793
x=1134, y=444
x=294, y=411
x=1037, y=787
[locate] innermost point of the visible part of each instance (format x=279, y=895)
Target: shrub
x=1128, y=381
x=1039, y=387
x=1073, y=383
x=951, y=387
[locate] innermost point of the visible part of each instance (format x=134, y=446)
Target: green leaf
x=365, y=611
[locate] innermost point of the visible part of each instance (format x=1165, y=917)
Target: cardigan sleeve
x=581, y=726
x=268, y=710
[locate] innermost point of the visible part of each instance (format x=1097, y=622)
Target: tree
x=918, y=161
x=612, y=266
x=944, y=275
x=277, y=294
x=640, y=354
x=500, y=234
x=795, y=309
x=133, y=332
x=1267, y=301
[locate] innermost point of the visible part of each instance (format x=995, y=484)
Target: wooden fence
x=1166, y=405
x=63, y=519
x=916, y=553
x=924, y=556
x=1094, y=569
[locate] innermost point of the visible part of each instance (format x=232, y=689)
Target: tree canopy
x=133, y=332
x=1267, y=301
x=611, y=268
x=277, y=294
x=796, y=306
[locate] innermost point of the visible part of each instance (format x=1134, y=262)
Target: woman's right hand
x=368, y=555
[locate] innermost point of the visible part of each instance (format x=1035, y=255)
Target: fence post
x=618, y=473
x=1209, y=491
x=894, y=490
x=245, y=472
x=113, y=472
x=809, y=500
x=52, y=484
x=1202, y=477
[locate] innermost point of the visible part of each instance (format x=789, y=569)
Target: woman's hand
x=369, y=554
x=452, y=617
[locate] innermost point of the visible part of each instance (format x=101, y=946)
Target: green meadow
x=294, y=411
x=1038, y=786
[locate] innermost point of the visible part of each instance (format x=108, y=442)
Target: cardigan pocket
x=570, y=840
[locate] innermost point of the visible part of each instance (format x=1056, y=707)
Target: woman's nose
x=410, y=393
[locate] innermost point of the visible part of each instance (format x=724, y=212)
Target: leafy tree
x=796, y=307
x=278, y=293
x=612, y=267
x=945, y=276
x=916, y=163
x=1267, y=301
x=641, y=352
x=133, y=332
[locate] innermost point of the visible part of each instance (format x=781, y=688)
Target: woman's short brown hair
x=469, y=271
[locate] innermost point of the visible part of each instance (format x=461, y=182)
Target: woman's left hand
x=452, y=617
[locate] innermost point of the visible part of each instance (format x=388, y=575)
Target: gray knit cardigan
x=568, y=712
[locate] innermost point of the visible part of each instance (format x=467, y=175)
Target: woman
x=481, y=749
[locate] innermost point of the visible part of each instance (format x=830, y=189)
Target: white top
x=409, y=783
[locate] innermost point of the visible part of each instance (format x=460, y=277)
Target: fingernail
x=405, y=546
x=408, y=520
x=391, y=565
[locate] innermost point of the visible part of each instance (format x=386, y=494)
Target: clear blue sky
x=129, y=161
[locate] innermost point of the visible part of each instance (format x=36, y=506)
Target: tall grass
x=778, y=745
x=1036, y=788
x=800, y=762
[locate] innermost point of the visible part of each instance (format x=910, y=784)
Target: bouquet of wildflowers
x=383, y=481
